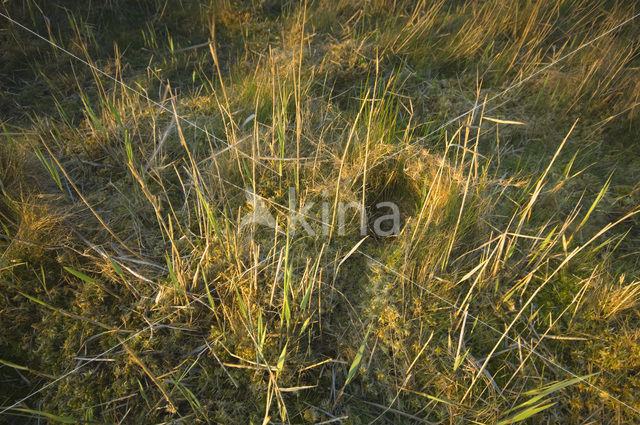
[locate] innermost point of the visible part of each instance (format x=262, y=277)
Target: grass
x=505, y=133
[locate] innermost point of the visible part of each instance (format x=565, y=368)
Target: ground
x=140, y=141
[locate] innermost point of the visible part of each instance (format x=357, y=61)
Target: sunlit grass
x=132, y=293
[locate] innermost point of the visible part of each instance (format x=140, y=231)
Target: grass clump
x=182, y=234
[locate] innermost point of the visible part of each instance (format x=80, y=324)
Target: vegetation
x=505, y=132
